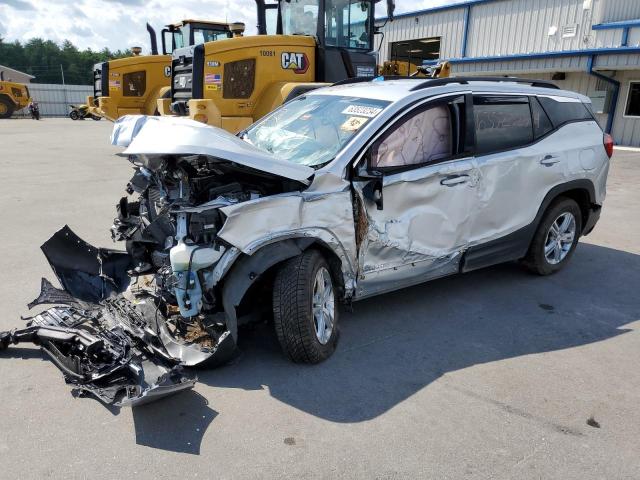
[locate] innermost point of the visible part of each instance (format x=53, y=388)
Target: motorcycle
x=34, y=109
x=80, y=112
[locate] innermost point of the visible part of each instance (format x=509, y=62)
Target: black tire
x=293, y=309
x=8, y=108
x=73, y=115
x=536, y=261
x=96, y=118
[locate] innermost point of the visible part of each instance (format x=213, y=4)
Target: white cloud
x=119, y=24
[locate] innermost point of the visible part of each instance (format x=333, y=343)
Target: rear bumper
x=592, y=219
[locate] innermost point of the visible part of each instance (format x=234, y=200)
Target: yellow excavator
x=406, y=69
x=13, y=96
x=301, y=45
x=133, y=85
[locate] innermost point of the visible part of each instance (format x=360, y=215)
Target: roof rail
x=347, y=81
x=436, y=82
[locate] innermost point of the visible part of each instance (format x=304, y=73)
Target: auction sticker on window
x=352, y=124
x=362, y=111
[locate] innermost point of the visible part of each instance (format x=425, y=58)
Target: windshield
x=311, y=130
x=200, y=35
x=204, y=35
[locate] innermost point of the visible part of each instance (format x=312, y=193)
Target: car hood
x=146, y=135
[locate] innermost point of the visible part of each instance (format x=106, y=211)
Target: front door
x=418, y=223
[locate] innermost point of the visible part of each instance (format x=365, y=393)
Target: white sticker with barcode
x=362, y=111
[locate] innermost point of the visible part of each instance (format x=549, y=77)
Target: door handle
x=453, y=180
x=549, y=160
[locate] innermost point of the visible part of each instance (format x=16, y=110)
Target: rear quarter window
x=541, y=122
x=561, y=112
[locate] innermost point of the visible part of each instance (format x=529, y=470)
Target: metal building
x=589, y=46
x=12, y=75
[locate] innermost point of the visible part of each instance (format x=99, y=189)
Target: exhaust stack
x=152, y=37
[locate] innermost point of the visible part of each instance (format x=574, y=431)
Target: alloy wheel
x=560, y=238
x=323, y=305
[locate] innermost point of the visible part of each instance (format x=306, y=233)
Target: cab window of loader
x=134, y=84
x=347, y=24
x=300, y=17
x=204, y=35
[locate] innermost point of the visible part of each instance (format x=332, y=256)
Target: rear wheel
x=6, y=108
x=73, y=115
x=96, y=118
x=556, y=238
x=304, y=308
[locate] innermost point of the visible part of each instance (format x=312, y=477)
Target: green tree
x=43, y=58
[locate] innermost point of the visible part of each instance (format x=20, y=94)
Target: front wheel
x=305, y=310
x=73, y=115
x=6, y=108
x=556, y=238
x=96, y=118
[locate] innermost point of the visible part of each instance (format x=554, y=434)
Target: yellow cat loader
x=13, y=96
x=307, y=44
x=133, y=85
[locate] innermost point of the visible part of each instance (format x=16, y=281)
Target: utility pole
x=64, y=88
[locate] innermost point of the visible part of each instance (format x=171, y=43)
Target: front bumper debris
x=110, y=340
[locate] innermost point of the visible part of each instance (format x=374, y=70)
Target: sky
x=120, y=24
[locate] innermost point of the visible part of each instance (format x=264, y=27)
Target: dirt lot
x=489, y=375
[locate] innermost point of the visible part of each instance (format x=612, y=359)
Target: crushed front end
x=126, y=323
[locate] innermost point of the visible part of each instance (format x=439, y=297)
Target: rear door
x=516, y=171
x=424, y=211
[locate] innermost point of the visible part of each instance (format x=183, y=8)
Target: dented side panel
x=422, y=230
x=325, y=215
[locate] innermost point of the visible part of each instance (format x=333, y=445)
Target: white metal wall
x=54, y=100
x=508, y=27
x=447, y=24
x=626, y=130
x=615, y=10
x=522, y=26
x=518, y=66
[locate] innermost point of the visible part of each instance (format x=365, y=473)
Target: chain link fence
x=54, y=100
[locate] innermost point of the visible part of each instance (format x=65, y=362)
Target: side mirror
x=166, y=37
x=372, y=190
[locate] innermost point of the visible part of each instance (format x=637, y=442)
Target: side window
x=541, y=123
x=561, y=110
x=632, y=108
x=134, y=84
x=501, y=123
x=427, y=136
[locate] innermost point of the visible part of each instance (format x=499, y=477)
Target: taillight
x=608, y=144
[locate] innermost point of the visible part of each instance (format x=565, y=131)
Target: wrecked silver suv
x=341, y=194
